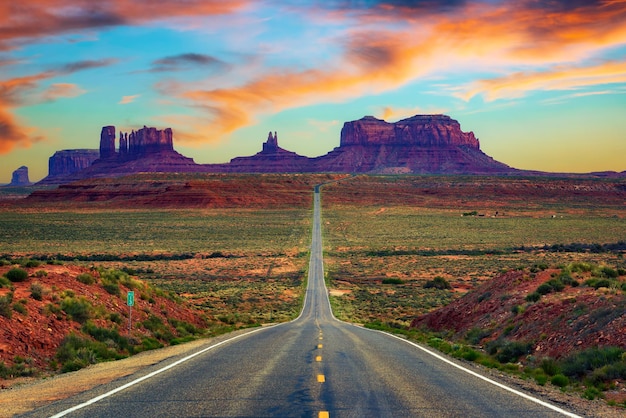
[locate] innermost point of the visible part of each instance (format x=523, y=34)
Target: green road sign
x=130, y=300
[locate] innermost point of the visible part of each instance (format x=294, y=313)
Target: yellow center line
x=318, y=358
x=323, y=414
x=319, y=346
x=321, y=378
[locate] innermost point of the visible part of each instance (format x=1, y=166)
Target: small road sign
x=130, y=300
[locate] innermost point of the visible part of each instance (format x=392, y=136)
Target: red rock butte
x=424, y=144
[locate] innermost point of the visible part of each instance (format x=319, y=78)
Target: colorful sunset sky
x=542, y=84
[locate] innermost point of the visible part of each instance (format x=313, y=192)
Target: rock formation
x=20, y=177
x=71, y=160
x=271, y=159
x=420, y=144
x=423, y=144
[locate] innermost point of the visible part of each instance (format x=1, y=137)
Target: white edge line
x=445, y=360
x=478, y=375
x=154, y=373
x=176, y=363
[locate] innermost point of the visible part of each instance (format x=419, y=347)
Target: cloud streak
x=42, y=18
x=481, y=35
x=186, y=61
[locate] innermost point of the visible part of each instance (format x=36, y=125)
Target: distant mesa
x=421, y=144
x=20, y=177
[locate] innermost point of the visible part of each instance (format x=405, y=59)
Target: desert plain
x=212, y=253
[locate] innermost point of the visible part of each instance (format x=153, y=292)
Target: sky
x=542, y=84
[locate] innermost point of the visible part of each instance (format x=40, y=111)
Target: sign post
x=130, y=301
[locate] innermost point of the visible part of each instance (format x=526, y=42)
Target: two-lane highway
x=314, y=366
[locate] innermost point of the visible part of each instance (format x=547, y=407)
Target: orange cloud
x=128, y=99
x=478, y=36
x=38, y=18
x=518, y=84
x=61, y=91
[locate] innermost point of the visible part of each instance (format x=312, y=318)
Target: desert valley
x=426, y=236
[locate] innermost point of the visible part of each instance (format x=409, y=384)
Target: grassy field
x=243, y=266
x=379, y=258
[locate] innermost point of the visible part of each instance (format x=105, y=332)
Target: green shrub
x=437, y=283
x=541, y=379
x=549, y=366
x=86, y=278
x=17, y=275
x=76, y=352
x=5, y=305
x=112, y=288
x=393, y=280
x=475, y=335
x=36, y=291
x=78, y=309
x=591, y=393
x=20, y=307
x=608, y=272
x=533, y=297
x=107, y=335
x=508, y=351
x=584, y=362
x=4, y=282
x=30, y=263
x=559, y=380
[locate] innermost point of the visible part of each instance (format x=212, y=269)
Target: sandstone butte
x=429, y=144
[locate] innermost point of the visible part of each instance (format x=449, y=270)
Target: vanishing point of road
x=314, y=366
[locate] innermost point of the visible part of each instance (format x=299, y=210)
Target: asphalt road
x=314, y=366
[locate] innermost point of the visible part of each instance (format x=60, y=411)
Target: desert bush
x=475, y=335
x=20, y=368
x=76, y=352
x=86, y=278
x=30, y=263
x=78, y=309
x=115, y=317
x=533, y=297
x=559, y=380
x=17, y=275
x=437, y=283
x=36, y=291
x=508, y=351
x=107, y=335
x=392, y=280
x=5, y=305
x=549, y=366
x=597, y=283
x=484, y=296
x=605, y=271
x=4, y=282
x=20, y=307
x=581, y=363
x=112, y=288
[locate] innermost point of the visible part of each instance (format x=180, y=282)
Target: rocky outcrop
x=420, y=130
x=20, y=177
x=71, y=160
x=420, y=144
x=271, y=159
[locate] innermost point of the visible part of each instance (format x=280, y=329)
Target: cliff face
x=420, y=144
x=271, y=159
x=20, y=177
x=420, y=130
x=71, y=160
